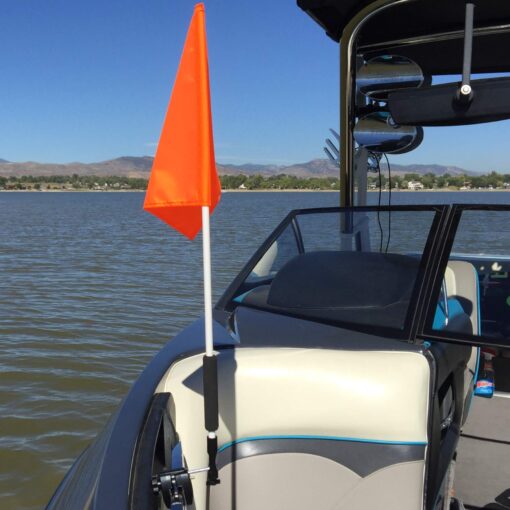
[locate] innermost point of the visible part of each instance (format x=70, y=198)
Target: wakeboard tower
x=347, y=352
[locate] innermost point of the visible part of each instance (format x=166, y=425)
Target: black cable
x=486, y=439
x=379, y=204
x=389, y=203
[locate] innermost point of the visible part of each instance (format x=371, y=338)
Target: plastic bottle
x=485, y=382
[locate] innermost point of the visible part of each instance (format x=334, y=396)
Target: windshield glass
x=476, y=288
x=357, y=268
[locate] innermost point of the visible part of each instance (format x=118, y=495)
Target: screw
x=465, y=90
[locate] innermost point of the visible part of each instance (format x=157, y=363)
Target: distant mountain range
x=139, y=167
x=125, y=166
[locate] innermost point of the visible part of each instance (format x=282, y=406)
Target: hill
x=136, y=167
x=139, y=167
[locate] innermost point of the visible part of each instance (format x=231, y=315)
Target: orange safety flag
x=183, y=176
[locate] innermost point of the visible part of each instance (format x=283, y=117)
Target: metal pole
x=348, y=94
x=465, y=93
x=346, y=119
x=210, y=362
x=468, y=45
x=206, y=249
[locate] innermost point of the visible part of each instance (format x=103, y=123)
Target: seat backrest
x=454, y=381
x=309, y=428
x=462, y=285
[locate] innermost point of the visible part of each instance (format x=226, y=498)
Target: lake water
x=91, y=287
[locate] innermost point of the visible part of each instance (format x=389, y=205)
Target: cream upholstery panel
x=377, y=395
x=462, y=280
x=396, y=487
x=321, y=484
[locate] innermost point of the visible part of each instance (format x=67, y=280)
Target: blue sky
x=90, y=80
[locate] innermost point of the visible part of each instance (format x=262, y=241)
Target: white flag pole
x=210, y=368
x=206, y=247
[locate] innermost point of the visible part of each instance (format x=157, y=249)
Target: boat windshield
x=358, y=268
x=476, y=285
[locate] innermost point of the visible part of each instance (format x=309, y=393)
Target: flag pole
x=206, y=248
x=210, y=372
x=184, y=179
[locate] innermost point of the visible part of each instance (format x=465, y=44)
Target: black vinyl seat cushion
x=361, y=287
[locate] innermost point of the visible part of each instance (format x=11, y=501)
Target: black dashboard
x=494, y=279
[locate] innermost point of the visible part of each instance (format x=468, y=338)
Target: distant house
x=414, y=185
x=242, y=186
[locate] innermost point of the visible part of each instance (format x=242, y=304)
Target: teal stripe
x=323, y=438
x=239, y=299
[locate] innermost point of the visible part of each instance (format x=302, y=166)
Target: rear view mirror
x=386, y=73
x=378, y=133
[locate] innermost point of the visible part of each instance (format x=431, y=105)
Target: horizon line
x=297, y=163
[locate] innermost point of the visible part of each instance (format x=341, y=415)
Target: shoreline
x=439, y=190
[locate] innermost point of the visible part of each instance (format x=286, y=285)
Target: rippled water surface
x=90, y=288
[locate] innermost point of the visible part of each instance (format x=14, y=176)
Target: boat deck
x=483, y=461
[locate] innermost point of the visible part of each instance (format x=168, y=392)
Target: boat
x=351, y=345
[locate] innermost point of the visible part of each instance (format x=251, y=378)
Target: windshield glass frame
x=426, y=330
x=429, y=254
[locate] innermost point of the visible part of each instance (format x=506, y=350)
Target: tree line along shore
x=415, y=182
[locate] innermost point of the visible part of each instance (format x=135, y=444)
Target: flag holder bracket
x=175, y=486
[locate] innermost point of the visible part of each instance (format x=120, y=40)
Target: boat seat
x=359, y=287
x=463, y=295
x=452, y=398
x=462, y=284
x=309, y=428
x=461, y=281
x=346, y=427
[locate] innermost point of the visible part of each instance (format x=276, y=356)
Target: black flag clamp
x=175, y=485
x=211, y=412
